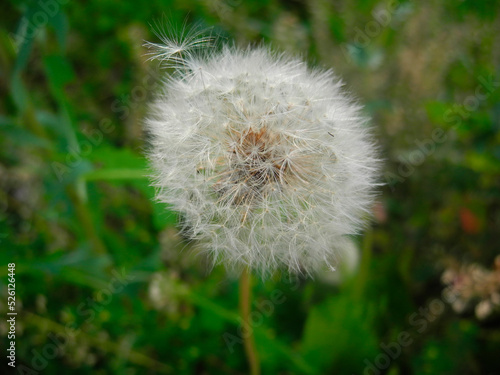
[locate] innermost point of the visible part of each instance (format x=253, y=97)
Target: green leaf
x=79, y=267
x=23, y=137
x=114, y=158
x=262, y=335
x=115, y=174
x=23, y=39
x=339, y=333
x=122, y=165
x=59, y=73
x=436, y=112
x=162, y=215
x=60, y=25
x=482, y=163
x=18, y=92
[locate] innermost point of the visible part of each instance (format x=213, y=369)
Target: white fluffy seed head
x=270, y=163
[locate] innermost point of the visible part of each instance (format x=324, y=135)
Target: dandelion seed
x=177, y=47
x=270, y=162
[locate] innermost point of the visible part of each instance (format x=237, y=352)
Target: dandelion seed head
x=270, y=162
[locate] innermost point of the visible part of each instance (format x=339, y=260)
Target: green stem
x=85, y=220
x=248, y=339
x=264, y=334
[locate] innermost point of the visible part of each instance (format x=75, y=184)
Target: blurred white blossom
x=165, y=292
x=349, y=258
x=473, y=286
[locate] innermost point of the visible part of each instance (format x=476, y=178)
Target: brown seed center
x=255, y=163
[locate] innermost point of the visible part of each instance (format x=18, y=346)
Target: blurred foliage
x=100, y=266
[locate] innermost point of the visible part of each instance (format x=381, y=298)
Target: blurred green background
x=105, y=285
